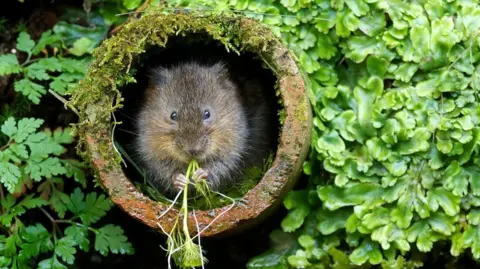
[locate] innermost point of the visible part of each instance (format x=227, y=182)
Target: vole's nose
x=193, y=152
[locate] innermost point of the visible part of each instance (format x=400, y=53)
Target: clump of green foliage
x=32, y=157
x=394, y=167
x=181, y=246
x=32, y=71
x=42, y=223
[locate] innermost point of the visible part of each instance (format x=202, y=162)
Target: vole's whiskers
x=127, y=116
x=127, y=131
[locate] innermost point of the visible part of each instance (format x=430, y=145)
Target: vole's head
x=193, y=112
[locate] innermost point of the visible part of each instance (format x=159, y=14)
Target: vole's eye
x=173, y=116
x=206, y=115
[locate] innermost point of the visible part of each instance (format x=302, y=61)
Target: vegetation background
x=392, y=181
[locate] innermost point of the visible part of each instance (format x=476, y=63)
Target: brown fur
x=233, y=138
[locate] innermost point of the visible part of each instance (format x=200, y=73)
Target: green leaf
x=269, y=260
x=405, y=72
x=37, y=240
x=79, y=235
x=325, y=47
x=30, y=89
x=378, y=149
x=59, y=201
x=26, y=127
x=474, y=217
x=402, y=216
x=76, y=170
x=9, y=175
x=329, y=222
x=447, y=200
x=63, y=136
x=357, y=194
x=373, y=24
x=82, y=46
x=359, y=7
x=441, y=223
x=307, y=36
x=421, y=233
x=299, y=260
x=41, y=145
x=46, y=168
x=51, y=263
x=76, y=204
x=288, y=3
x=25, y=43
x=64, y=82
x=65, y=249
x=45, y=40
x=36, y=71
x=110, y=238
x=297, y=204
x=9, y=64
x=9, y=127
x=367, y=251
x=359, y=47
x=365, y=97
x=331, y=141
x=74, y=66
x=471, y=236
x=131, y=4
x=95, y=208
x=308, y=63
x=377, y=66
x=72, y=32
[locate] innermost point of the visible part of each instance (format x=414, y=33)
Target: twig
x=2, y=197
x=7, y=145
x=137, y=12
x=142, y=7
x=64, y=101
x=48, y=215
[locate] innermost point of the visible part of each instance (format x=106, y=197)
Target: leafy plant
x=394, y=88
x=60, y=73
x=181, y=247
x=32, y=156
x=43, y=223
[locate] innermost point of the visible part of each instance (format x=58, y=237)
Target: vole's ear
x=158, y=76
x=220, y=68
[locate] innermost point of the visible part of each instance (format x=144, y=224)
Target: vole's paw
x=179, y=181
x=200, y=174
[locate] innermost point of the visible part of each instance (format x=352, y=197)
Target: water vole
x=197, y=111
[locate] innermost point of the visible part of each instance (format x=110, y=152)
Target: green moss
x=99, y=94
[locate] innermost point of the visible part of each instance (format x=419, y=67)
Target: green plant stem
x=55, y=223
x=64, y=101
x=9, y=143
x=77, y=224
x=2, y=197
x=28, y=61
x=185, y=199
